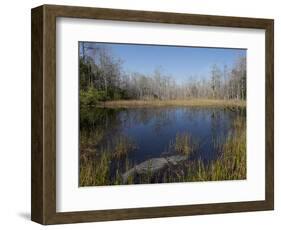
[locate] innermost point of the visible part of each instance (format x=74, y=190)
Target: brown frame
x=43, y=170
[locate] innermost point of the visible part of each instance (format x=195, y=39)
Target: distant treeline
x=102, y=78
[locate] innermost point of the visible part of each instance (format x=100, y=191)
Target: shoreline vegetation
x=95, y=166
x=167, y=103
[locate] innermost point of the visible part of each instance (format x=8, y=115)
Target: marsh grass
x=94, y=172
x=148, y=176
x=231, y=165
x=182, y=144
x=178, y=102
x=95, y=164
x=123, y=145
x=129, y=165
x=90, y=140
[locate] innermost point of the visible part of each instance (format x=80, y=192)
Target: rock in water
x=153, y=165
x=174, y=160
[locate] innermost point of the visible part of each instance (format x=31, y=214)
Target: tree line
x=102, y=78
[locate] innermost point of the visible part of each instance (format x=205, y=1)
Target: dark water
x=152, y=129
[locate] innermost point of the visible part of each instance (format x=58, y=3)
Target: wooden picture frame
x=43, y=207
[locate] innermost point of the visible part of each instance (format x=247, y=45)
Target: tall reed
x=182, y=144
x=231, y=165
x=123, y=145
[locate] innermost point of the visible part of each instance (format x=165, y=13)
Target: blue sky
x=180, y=62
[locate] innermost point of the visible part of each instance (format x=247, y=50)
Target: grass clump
x=96, y=163
x=94, y=172
x=182, y=144
x=90, y=140
x=123, y=145
x=231, y=165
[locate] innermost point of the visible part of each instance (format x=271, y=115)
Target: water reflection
x=152, y=129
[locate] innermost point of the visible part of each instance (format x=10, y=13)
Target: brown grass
x=231, y=165
x=159, y=103
x=182, y=144
x=123, y=145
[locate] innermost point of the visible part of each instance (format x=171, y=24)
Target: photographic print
x=161, y=114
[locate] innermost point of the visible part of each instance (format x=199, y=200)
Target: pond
x=138, y=135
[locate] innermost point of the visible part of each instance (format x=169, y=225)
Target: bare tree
x=101, y=71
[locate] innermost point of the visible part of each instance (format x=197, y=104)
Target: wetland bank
x=140, y=127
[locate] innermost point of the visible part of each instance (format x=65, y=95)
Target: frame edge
x=269, y=123
x=37, y=189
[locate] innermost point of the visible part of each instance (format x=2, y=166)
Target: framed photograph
x=141, y=114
